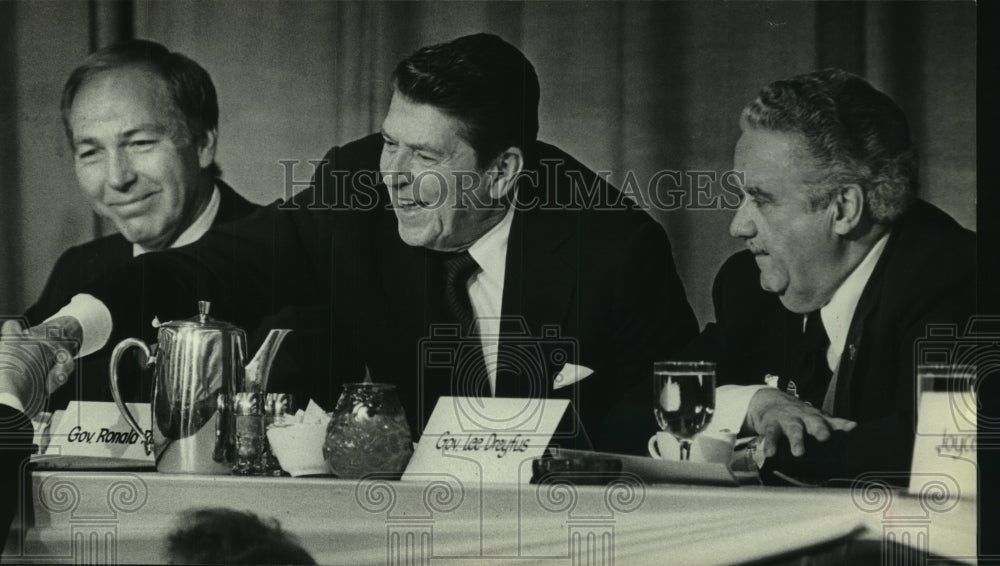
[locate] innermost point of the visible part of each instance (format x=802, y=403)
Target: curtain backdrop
x=629, y=88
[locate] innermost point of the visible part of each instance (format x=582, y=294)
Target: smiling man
x=460, y=266
x=461, y=236
x=845, y=269
x=423, y=157
x=142, y=123
x=136, y=161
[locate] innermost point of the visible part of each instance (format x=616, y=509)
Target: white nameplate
x=945, y=443
x=485, y=440
x=99, y=430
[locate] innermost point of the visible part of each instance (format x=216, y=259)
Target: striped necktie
x=471, y=377
x=458, y=269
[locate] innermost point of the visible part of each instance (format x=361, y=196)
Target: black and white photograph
x=494, y=282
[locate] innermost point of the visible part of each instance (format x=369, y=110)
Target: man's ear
x=849, y=207
x=206, y=148
x=506, y=169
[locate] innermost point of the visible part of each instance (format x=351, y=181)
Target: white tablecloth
x=122, y=517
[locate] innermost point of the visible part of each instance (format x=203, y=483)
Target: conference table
x=118, y=517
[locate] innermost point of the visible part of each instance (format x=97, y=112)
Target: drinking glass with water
x=685, y=399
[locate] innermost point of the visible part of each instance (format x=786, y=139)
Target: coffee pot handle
x=116, y=357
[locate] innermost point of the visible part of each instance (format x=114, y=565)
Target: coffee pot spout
x=259, y=369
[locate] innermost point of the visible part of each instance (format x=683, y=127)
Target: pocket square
x=570, y=374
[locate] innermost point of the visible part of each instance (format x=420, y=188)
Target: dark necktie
x=814, y=373
x=458, y=268
x=471, y=379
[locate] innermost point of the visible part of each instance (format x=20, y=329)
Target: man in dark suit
x=845, y=269
x=584, y=287
x=453, y=228
x=142, y=122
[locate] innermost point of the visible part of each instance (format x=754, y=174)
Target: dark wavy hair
x=227, y=536
x=481, y=80
x=190, y=86
x=852, y=129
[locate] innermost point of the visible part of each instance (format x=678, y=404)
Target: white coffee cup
x=713, y=447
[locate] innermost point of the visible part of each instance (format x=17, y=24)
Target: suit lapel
x=540, y=281
x=866, y=306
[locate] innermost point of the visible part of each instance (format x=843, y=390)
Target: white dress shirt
x=838, y=313
x=732, y=401
x=196, y=230
x=486, y=289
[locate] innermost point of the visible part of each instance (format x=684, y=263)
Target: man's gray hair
x=857, y=133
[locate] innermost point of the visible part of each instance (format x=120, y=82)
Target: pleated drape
x=632, y=88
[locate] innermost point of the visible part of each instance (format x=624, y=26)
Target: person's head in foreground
x=829, y=166
x=227, y=536
x=142, y=123
x=461, y=115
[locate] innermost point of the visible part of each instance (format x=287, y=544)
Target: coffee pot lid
x=202, y=319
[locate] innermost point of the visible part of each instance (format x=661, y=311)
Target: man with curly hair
x=845, y=269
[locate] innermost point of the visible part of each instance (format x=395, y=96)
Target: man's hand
x=774, y=414
x=36, y=361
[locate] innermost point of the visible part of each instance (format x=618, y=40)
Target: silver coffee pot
x=198, y=366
